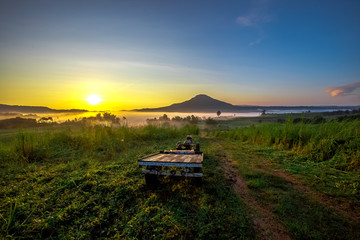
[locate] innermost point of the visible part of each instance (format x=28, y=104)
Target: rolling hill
x=34, y=109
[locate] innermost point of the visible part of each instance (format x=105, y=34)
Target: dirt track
x=342, y=208
x=266, y=224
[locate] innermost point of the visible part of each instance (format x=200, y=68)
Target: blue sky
x=153, y=53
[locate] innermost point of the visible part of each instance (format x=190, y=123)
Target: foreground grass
x=84, y=183
x=325, y=155
x=304, y=217
x=333, y=144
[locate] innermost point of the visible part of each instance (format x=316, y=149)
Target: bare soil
x=266, y=225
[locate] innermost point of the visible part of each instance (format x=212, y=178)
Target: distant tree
x=107, y=116
x=110, y=117
x=46, y=120
x=194, y=120
x=176, y=118
x=218, y=113
x=164, y=118
x=263, y=112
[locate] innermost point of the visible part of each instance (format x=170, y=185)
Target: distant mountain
x=204, y=103
x=35, y=109
x=199, y=103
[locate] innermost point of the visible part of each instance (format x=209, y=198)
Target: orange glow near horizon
x=131, y=93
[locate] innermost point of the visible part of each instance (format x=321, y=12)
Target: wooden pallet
x=169, y=173
x=173, y=158
x=189, y=162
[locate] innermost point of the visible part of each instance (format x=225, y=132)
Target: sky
x=136, y=54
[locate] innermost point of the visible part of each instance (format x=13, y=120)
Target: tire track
x=344, y=208
x=265, y=222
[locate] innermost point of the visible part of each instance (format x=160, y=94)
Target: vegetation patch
x=304, y=217
x=84, y=182
x=329, y=141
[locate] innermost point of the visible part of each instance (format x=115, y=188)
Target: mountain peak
x=199, y=103
x=201, y=96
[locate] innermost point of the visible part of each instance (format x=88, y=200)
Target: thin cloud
x=256, y=18
x=246, y=21
x=344, y=90
x=257, y=15
x=257, y=41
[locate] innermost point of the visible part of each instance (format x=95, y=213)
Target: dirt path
x=265, y=223
x=343, y=208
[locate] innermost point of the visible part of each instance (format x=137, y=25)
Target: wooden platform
x=173, y=158
x=176, y=174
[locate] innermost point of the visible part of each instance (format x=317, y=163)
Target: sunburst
x=94, y=99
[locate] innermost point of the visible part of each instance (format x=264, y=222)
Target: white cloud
x=344, y=90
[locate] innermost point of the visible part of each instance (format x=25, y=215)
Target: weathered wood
x=179, y=152
x=156, y=164
x=189, y=157
x=170, y=164
x=167, y=173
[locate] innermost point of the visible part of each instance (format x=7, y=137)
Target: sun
x=94, y=99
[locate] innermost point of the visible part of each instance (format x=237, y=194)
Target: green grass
x=326, y=156
x=338, y=142
x=303, y=217
x=322, y=176
x=84, y=182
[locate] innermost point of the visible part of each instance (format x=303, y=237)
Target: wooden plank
x=173, y=158
x=148, y=156
x=180, y=158
x=170, y=164
x=177, y=174
x=180, y=151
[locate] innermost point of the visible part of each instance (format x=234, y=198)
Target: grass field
x=83, y=182
x=304, y=214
